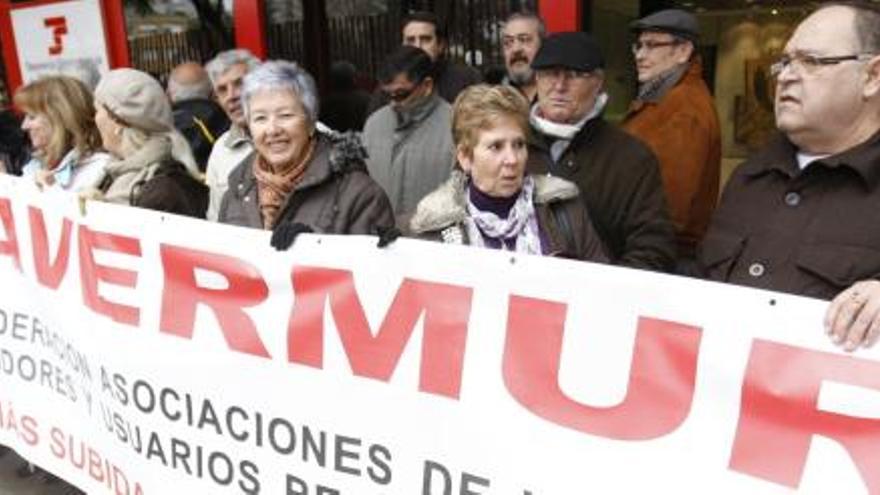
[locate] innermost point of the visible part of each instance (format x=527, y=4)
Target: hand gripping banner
x=149, y=354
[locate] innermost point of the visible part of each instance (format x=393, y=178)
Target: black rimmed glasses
x=809, y=64
x=651, y=45
x=400, y=95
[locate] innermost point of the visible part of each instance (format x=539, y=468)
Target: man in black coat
x=196, y=115
x=618, y=175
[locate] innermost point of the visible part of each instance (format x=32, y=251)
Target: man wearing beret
x=675, y=116
x=617, y=174
x=803, y=214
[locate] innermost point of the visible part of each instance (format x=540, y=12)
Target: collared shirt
x=811, y=232
x=74, y=172
x=231, y=149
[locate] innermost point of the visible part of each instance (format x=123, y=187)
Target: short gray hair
x=528, y=15
x=225, y=60
x=85, y=70
x=281, y=75
x=178, y=91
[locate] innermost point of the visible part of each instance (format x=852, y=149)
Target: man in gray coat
x=409, y=141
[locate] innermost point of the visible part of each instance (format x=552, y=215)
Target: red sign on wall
x=50, y=36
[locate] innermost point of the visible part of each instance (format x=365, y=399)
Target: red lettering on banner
x=182, y=295
x=9, y=247
x=49, y=273
x=83, y=457
x=661, y=383
x=779, y=413
x=92, y=273
x=446, y=310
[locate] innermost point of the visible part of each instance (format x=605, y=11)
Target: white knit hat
x=136, y=98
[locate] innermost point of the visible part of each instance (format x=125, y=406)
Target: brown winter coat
x=440, y=216
x=682, y=130
x=150, y=178
x=335, y=195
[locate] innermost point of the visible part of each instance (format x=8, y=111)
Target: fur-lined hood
x=447, y=205
x=347, y=150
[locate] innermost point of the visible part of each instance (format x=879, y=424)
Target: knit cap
x=136, y=98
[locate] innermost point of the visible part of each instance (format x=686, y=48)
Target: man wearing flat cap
x=675, y=116
x=617, y=174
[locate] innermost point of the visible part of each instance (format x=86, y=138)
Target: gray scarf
x=656, y=88
x=416, y=112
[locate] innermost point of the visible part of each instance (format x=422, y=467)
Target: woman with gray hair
x=152, y=166
x=299, y=179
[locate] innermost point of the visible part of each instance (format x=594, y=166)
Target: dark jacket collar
x=780, y=155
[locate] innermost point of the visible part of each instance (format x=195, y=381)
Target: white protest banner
x=58, y=37
x=145, y=353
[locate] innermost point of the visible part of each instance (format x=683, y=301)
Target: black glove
x=285, y=233
x=387, y=235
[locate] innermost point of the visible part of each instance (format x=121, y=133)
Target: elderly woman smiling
x=489, y=201
x=299, y=177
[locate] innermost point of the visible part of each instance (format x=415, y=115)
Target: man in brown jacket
x=674, y=114
x=803, y=215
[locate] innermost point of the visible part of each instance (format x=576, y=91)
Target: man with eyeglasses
x=408, y=140
x=675, y=116
x=803, y=215
x=618, y=175
x=520, y=40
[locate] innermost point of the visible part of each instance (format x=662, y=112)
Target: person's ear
x=465, y=158
x=429, y=84
x=872, y=78
x=685, y=51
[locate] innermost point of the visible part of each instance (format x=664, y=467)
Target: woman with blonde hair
x=489, y=200
x=59, y=120
x=152, y=165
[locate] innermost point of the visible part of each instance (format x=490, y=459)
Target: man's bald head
x=189, y=81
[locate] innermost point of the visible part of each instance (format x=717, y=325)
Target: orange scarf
x=274, y=186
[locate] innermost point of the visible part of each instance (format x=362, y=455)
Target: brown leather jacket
x=336, y=195
x=682, y=130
